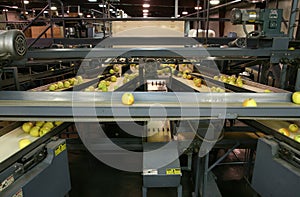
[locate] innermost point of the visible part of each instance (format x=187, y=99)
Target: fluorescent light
x=26, y=2
x=53, y=8
x=102, y=5
x=146, y=5
x=15, y=7
x=198, y=8
x=92, y=0
x=145, y=11
x=111, y=9
x=184, y=13
x=5, y=10
x=80, y=14
x=88, y=16
x=145, y=16
x=26, y=12
x=214, y=2
x=46, y=12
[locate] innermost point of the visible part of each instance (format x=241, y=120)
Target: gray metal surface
x=12, y=44
x=273, y=176
x=108, y=105
x=49, y=178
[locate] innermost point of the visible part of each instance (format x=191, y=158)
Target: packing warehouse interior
x=149, y=98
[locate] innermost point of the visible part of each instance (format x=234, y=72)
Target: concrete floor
x=91, y=178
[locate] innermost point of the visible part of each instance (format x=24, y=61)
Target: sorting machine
x=169, y=109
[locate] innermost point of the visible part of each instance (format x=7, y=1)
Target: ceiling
x=158, y=8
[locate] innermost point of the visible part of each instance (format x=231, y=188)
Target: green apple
x=296, y=97
x=293, y=128
x=67, y=84
x=52, y=87
x=107, y=83
x=56, y=86
x=60, y=84
x=112, y=71
x=49, y=124
x=39, y=123
x=27, y=126
x=250, y=102
x=216, y=78
x=127, y=98
x=104, y=89
x=297, y=138
x=34, y=131
x=113, y=78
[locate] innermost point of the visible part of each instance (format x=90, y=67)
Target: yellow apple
x=80, y=79
x=34, y=131
x=111, y=71
x=216, y=78
x=27, y=126
x=297, y=138
x=48, y=124
x=296, y=97
x=284, y=131
x=293, y=128
x=250, y=102
x=44, y=130
x=60, y=84
x=39, y=123
x=267, y=91
x=127, y=98
x=24, y=142
x=113, y=78
x=57, y=123
x=189, y=76
x=67, y=84
x=52, y=87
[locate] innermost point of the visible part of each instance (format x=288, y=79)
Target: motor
x=13, y=44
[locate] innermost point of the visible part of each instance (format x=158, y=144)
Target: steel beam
x=92, y=106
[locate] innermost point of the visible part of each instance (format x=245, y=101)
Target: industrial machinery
x=181, y=102
x=267, y=20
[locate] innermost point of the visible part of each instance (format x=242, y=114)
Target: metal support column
x=176, y=8
x=294, y=9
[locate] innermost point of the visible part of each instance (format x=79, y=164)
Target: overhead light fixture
x=88, y=16
x=145, y=16
x=145, y=11
x=214, y=2
x=146, y=5
x=92, y=0
x=46, y=12
x=198, y=8
x=111, y=10
x=15, y=7
x=5, y=10
x=26, y=12
x=184, y=13
x=26, y=2
x=53, y=8
x=102, y=5
x=80, y=14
